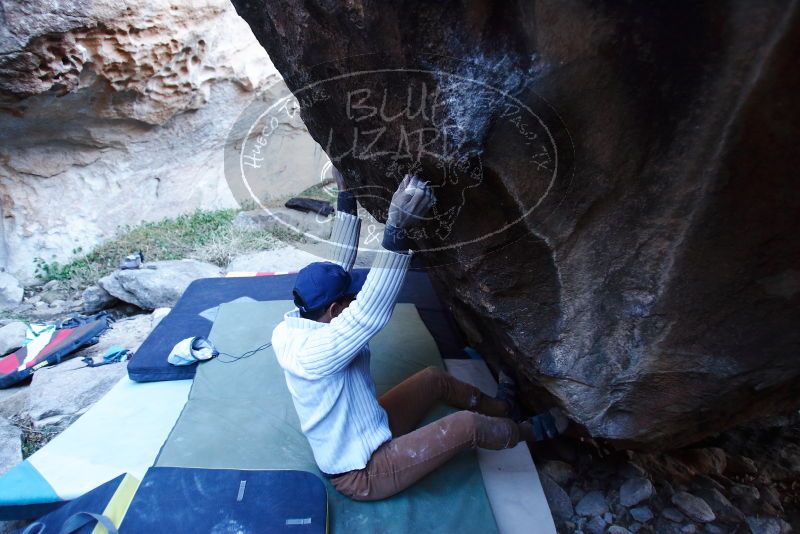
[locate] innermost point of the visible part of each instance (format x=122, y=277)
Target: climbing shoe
x=544, y=426
x=507, y=392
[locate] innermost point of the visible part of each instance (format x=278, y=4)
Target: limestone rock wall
x=617, y=181
x=113, y=113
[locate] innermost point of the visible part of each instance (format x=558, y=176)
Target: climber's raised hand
x=410, y=203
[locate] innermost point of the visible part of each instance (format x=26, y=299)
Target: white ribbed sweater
x=326, y=365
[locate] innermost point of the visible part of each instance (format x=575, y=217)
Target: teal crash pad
x=240, y=416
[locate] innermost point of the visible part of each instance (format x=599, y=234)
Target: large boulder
x=12, y=336
x=114, y=114
x=95, y=299
x=11, y=291
x=158, y=284
x=618, y=203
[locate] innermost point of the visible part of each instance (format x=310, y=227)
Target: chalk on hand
x=411, y=187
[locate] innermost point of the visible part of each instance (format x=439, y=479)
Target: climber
x=371, y=448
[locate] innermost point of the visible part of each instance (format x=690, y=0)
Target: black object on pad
x=310, y=205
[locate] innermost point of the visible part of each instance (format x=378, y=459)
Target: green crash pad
x=240, y=416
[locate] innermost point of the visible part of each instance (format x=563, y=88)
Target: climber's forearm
x=346, y=231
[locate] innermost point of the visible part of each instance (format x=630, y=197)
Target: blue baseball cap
x=320, y=283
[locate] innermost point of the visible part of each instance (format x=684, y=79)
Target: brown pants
x=412, y=454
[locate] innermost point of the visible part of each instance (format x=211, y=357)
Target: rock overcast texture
x=157, y=284
x=114, y=113
x=11, y=291
x=618, y=205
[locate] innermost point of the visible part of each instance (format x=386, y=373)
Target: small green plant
x=203, y=235
x=49, y=271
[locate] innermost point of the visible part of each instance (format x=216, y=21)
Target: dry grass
x=203, y=235
x=32, y=439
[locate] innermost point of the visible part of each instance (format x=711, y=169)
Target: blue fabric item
x=538, y=430
x=323, y=282
x=472, y=354
x=346, y=202
x=174, y=499
x=396, y=239
x=149, y=364
x=544, y=426
x=24, y=479
x=357, y=279
x=76, y=319
x=115, y=353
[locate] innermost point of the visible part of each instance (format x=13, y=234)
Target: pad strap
x=74, y=523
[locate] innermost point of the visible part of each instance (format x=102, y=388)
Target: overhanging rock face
x=619, y=205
